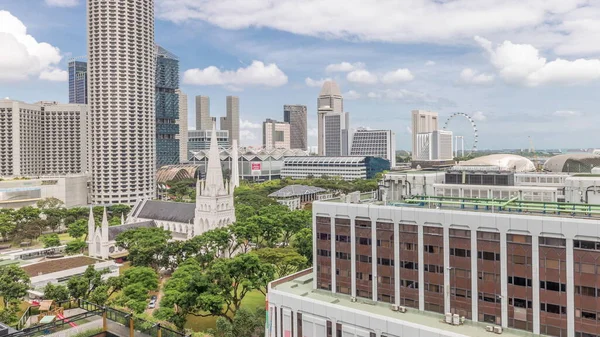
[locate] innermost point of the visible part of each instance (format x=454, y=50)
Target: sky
x=519, y=68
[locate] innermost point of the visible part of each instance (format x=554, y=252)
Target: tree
x=77, y=229
x=75, y=247
x=57, y=292
x=136, y=282
x=145, y=245
x=49, y=203
x=246, y=323
x=243, y=212
x=118, y=210
x=293, y=222
x=8, y=314
x=285, y=260
x=50, y=240
x=303, y=243
x=82, y=286
x=14, y=283
x=7, y=222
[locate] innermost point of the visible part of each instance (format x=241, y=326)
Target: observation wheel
x=473, y=138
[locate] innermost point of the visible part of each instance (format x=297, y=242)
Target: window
x=409, y=284
x=520, y=303
x=552, y=264
x=410, y=246
x=385, y=262
x=585, y=268
x=586, y=291
x=515, y=238
x=456, y=272
x=323, y=252
x=460, y=292
x=553, y=308
x=364, y=258
x=324, y=236
x=553, y=286
x=488, y=236
x=519, y=281
x=460, y=233
x=342, y=256
x=432, y=249
x=434, y=288
x=518, y=259
x=552, y=242
x=342, y=238
x=408, y=228
x=489, y=298
x=363, y=241
x=432, y=268
x=409, y=265
x=489, y=256
x=460, y=252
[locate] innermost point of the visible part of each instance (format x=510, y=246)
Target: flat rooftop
x=302, y=286
x=59, y=264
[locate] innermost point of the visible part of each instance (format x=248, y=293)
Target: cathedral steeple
x=214, y=184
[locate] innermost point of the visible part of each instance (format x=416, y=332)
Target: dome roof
x=573, y=162
x=506, y=162
x=330, y=88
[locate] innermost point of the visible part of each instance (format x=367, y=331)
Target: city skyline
x=460, y=69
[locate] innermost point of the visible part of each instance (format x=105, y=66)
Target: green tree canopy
x=78, y=228
x=56, y=292
x=145, y=245
x=285, y=260
x=302, y=242
x=14, y=283
x=50, y=240
x=75, y=247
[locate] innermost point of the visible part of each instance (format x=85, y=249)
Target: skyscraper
x=122, y=63
x=296, y=116
x=378, y=143
x=276, y=135
x=203, y=119
x=167, y=108
x=231, y=121
x=422, y=122
x=333, y=122
x=183, y=126
x=78, y=82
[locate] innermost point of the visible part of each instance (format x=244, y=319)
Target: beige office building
x=276, y=135
x=422, y=122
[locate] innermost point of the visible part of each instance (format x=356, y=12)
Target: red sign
x=256, y=166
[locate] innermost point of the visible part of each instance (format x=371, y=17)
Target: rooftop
x=296, y=190
x=302, y=286
x=52, y=266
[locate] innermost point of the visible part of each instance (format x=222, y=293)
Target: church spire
x=91, y=225
x=104, y=226
x=214, y=174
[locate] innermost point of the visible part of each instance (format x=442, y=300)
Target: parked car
x=153, y=298
x=152, y=304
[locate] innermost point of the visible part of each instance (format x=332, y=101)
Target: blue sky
x=520, y=68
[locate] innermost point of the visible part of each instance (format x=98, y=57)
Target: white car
x=152, y=304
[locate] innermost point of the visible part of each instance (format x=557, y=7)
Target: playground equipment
x=50, y=311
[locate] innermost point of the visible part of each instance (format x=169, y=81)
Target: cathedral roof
x=182, y=212
x=113, y=231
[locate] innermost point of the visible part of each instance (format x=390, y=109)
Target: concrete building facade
x=435, y=145
x=203, y=119
x=276, y=135
x=378, y=143
x=395, y=271
x=346, y=168
x=42, y=138
x=333, y=122
x=200, y=140
x=297, y=116
x=71, y=189
x=422, y=122
x=183, y=126
x=121, y=78
x=231, y=122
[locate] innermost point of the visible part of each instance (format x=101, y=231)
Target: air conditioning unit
x=455, y=319
x=489, y=328
x=353, y=299
x=498, y=329
x=403, y=309
x=448, y=318
x=395, y=307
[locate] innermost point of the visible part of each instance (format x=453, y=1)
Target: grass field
x=253, y=300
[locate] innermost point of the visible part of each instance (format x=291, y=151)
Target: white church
x=213, y=209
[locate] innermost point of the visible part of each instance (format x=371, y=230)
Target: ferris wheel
x=475, y=136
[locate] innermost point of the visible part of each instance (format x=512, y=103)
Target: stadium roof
x=296, y=190
x=573, y=162
x=176, y=172
x=504, y=162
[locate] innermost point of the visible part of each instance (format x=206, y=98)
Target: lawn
x=253, y=300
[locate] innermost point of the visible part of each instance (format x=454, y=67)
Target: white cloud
x=316, y=83
x=411, y=97
x=399, y=21
x=566, y=113
x=397, y=76
x=522, y=64
x=479, y=116
x=256, y=73
x=361, y=76
x=56, y=75
x=313, y=132
x=373, y=95
x=22, y=56
x=470, y=76
x=247, y=135
x=344, y=67
x=246, y=124
x=430, y=63
x=351, y=95
x=62, y=3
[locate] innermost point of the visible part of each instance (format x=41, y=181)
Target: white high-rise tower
x=333, y=122
x=121, y=83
